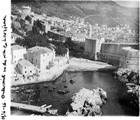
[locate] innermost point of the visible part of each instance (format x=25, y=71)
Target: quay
x=43, y=76
x=28, y=107
x=85, y=65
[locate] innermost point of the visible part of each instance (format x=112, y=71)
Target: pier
x=28, y=107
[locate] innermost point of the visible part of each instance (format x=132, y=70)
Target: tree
x=27, y=27
x=69, y=43
x=16, y=25
x=19, y=41
x=32, y=40
x=22, y=22
x=61, y=49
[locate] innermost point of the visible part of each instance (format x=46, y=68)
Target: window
x=30, y=71
x=25, y=67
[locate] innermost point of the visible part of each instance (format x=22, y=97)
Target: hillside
x=101, y=12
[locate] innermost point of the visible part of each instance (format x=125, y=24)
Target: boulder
x=65, y=86
x=102, y=93
x=88, y=102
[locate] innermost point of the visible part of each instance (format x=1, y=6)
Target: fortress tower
x=25, y=10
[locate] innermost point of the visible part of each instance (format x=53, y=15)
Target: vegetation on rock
x=87, y=102
x=131, y=78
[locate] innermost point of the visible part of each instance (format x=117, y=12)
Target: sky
x=128, y=3
x=125, y=3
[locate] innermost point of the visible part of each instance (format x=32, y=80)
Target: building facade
x=26, y=68
x=41, y=57
x=92, y=46
x=42, y=25
x=79, y=37
x=17, y=53
x=14, y=36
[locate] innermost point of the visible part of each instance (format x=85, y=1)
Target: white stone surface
x=87, y=102
x=80, y=64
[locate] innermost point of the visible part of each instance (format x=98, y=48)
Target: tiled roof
x=16, y=47
x=39, y=50
x=25, y=63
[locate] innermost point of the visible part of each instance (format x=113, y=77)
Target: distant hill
x=100, y=12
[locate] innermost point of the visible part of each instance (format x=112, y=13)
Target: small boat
x=53, y=111
x=65, y=86
x=72, y=81
x=45, y=106
x=49, y=109
x=62, y=92
x=49, y=106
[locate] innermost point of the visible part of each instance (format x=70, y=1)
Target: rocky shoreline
x=87, y=102
x=130, y=78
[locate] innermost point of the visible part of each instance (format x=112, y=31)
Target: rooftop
x=79, y=35
x=39, y=50
x=40, y=17
x=26, y=7
x=25, y=63
x=17, y=47
x=58, y=58
x=16, y=35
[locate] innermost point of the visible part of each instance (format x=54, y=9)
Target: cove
x=47, y=93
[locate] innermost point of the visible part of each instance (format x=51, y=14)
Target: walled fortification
x=124, y=55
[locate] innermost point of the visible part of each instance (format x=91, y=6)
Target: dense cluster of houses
x=111, y=33
x=57, y=29
x=76, y=28
x=30, y=62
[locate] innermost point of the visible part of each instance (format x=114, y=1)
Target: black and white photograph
x=70, y=58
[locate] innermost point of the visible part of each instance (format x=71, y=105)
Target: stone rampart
x=120, y=55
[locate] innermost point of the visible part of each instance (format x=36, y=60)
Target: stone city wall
x=120, y=55
x=129, y=58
